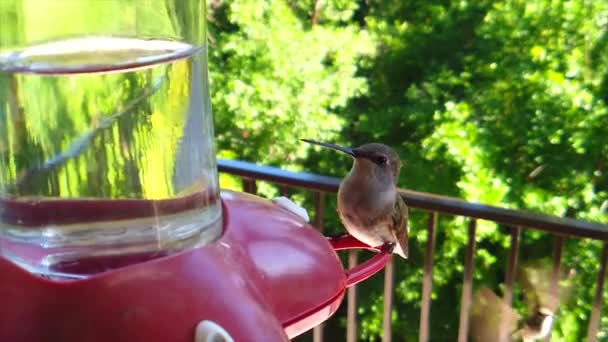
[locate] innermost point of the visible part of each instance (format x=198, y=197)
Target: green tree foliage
x=498, y=102
x=277, y=77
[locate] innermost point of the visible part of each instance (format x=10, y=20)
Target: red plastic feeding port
x=245, y=282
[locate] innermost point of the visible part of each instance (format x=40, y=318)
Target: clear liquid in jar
x=106, y=154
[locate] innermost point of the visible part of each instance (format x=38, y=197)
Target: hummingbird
x=542, y=297
x=369, y=205
x=494, y=320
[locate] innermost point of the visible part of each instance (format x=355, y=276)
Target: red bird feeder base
x=270, y=277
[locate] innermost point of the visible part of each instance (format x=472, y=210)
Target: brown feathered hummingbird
x=492, y=319
x=369, y=205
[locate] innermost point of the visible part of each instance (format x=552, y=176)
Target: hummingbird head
x=545, y=311
x=376, y=159
x=539, y=324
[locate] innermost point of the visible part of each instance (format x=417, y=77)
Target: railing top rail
x=426, y=201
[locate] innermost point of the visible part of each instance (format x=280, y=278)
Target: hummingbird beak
x=346, y=150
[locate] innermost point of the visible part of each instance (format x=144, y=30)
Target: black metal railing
x=516, y=220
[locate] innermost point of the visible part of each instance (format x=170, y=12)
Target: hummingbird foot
x=388, y=247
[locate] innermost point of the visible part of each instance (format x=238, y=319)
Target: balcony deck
x=517, y=220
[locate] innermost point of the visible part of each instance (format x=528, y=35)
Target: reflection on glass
x=106, y=153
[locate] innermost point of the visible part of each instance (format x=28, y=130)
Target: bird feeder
x=244, y=283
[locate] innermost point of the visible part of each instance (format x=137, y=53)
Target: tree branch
x=315, y=13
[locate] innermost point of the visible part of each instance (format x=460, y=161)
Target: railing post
x=512, y=265
x=467, y=285
x=594, y=320
x=558, y=247
x=427, y=281
x=319, y=213
x=283, y=190
x=388, y=301
x=249, y=185
x=509, y=280
x=351, y=313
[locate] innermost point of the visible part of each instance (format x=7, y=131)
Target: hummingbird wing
x=535, y=280
x=530, y=296
x=491, y=319
x=400, y=227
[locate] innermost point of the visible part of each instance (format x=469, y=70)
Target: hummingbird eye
x=381, y=160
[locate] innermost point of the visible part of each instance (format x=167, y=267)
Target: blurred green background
x=498, y=102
